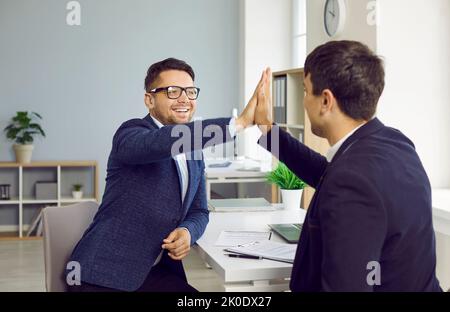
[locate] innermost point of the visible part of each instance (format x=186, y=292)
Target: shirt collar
x=333, y=150
x=157, y=122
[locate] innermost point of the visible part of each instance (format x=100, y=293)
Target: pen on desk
x=244, y=256
x=270, y=235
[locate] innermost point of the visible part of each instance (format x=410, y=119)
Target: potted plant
x=291, y=186
x=77, y=193
x=22, y=131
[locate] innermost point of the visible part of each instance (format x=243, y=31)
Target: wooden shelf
x=12, y=201
x=44, y=164
x=288, y=72
x=300, y=127
x=66, y=200
x=31, y=200
x=64, y=173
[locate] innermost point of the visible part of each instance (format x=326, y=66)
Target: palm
x=263, y=113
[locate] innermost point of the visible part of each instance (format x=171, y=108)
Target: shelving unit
x=23, y=177
x=295, y=121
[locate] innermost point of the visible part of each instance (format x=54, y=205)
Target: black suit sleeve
x=307, y=164
x=353, y=227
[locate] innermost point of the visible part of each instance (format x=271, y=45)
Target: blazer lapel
x=187, y=198
x=372, y=126
x=150, y=120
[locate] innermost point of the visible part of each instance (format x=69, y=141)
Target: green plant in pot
x=290, y=185
x=77, y=192
x=22, y=130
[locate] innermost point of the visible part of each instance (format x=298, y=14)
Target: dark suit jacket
x=371, y=203
x=142, y=203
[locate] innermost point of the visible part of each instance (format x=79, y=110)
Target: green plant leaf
x=37, y=127
x=284, y=178
x=37, y=115
x=22, y=130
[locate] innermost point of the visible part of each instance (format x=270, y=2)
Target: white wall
x=356, y=27
x=414, y=38
x=86, y=80
x=267, y=41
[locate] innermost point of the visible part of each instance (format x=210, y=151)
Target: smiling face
x=171, y=111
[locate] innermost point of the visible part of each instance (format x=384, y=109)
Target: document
x=239, y=238
x=267, y=249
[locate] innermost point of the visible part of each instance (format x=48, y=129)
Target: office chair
x=63, y=228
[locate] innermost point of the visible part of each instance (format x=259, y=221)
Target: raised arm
x=135, y=142
x=307, y=164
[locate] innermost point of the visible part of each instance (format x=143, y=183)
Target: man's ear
x=328, y=101
x=149, y=101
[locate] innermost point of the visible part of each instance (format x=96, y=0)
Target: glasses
x=174, y=92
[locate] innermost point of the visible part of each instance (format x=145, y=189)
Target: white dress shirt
x=333, y=150
x=182, y=165
x=184, y=176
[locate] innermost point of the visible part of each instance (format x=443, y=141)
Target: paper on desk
x=268, y=250
x=236, y=238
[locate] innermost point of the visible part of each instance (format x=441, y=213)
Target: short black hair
x=167, y=64
x=352, y=72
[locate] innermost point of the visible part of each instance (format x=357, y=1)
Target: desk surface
x=441, y=210
x=238, y=169
x=238, y=269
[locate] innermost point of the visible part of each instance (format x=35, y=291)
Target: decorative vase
x=23, y=153
x=291, y=198
x=77, y=194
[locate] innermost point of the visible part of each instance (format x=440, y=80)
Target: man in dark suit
x=154, y=206
x=369, y=225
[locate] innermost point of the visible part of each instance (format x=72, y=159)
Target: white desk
x=235, y=173
x=441, y=210
x=246, y=274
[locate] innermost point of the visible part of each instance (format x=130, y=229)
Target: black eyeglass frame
x=182, y=89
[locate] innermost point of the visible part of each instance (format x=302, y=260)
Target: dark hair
x=167, y=64
x=352, y=72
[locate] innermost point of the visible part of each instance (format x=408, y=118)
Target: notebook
x=289, y=231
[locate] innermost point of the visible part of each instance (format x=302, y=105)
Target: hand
x=263, y=112
x=247, y=117
x=178, y=243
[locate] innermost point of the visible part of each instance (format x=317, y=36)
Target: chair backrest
x=63, y=228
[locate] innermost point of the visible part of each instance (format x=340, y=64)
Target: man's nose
x=183, y=97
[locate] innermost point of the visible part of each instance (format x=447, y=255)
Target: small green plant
x=285, y=178
x=77, y=187
x=22, y=129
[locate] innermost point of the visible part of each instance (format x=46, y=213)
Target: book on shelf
x=280, y=99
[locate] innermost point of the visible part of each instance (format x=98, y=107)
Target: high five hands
x=259, y=108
